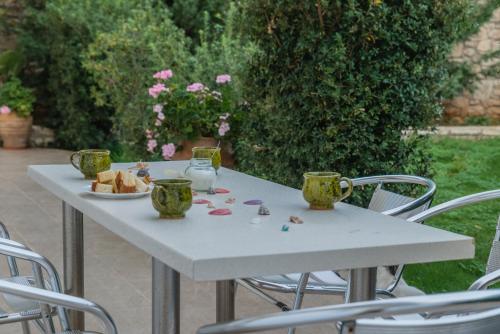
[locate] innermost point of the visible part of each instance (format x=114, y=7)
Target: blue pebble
x=284, y=228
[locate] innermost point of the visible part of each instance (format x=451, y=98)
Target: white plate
x=88, y=190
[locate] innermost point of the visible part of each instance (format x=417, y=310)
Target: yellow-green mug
x=172, y=197
x=207, y=152
x=91, y=162
x=322, y=189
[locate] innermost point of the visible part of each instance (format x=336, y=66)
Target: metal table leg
x=362, y=285
x=166, y=299
x=73, y=260
x=226, y=291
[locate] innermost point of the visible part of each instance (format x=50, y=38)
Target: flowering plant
x=181, y=112
x=16, y=98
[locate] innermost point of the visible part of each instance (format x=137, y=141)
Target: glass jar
x=207, y=152
x=201, y=173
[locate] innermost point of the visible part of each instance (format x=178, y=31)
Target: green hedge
x=338, y=81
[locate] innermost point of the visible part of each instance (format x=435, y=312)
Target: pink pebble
x=201, y=201
x=220, y=212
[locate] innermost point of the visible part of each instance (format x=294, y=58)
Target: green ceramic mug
x=91, y=162
x=322, y=189
x=207, y=152
x=172, y=197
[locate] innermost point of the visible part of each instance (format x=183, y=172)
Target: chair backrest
x=394, y=204
x=476, y=312
x=494, y=258
x=487, y=322
x=383, y=200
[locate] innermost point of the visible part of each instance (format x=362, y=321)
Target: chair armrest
x=451, y=302
x=26, y=254
x=455, y=203
x=485, y=281
x=63, y=300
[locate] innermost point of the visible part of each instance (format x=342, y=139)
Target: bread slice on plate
x=140, y=186
x=105, y=177
x=103, y=188
x=128, y=184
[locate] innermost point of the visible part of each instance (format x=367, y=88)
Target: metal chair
x=475, y=312
x=63, y=302
x=20, y=309
x=331, y=282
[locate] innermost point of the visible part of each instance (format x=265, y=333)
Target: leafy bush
x=54, y=38
x=338, y=81
x=192, y=15
x=121, y=63
x=224, y=49
x=17, y=98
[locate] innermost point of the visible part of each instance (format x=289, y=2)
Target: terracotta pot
x=15, y=130
x=187, y=147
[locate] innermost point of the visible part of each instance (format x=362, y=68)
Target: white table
x=223, y=248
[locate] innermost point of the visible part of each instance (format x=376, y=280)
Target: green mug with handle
x=172, y=197
x=90, y=162
x=322, y=189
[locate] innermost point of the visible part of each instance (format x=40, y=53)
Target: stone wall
x=485, y=101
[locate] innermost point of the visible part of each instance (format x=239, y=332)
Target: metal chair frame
x=62, y=301
x=367, y=317
x=302, y=286
x=43, y=319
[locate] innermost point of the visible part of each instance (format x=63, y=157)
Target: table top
x=205, y=247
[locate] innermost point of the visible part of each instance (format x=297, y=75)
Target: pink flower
x=223, y=128
x=224, y=116
x=223, y=78
x=161, y=116
x=149, y=134
x=4, y=110
x=163, y=75
x=158, y=122
x=157, y=89
x=152, y=145
x=195, y=87
x=168, y=151
x=157, y=108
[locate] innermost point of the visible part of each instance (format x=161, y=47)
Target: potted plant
x=183, y=117
x=16, y=105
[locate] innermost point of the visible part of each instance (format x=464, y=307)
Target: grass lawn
x=462, y=167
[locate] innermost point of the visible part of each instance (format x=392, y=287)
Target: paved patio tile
x=117, y=275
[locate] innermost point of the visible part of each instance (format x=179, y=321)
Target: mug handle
x=348, y=192
x=72, y=160
x=161, y=190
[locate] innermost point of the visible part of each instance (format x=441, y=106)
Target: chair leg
x=299, y=295
x=26, y=327
x=282, y=306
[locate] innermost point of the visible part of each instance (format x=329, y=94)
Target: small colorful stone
x=143, y=172
x=211, y=191
x=296, y=220
x=285, y=228
x=256, y=221
x=264, y=211
x=221, y=191
x=220, y=212
x=210, y=205
x=194, y=193
x=230, y=200
x=253, y=202
x=201, y=201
